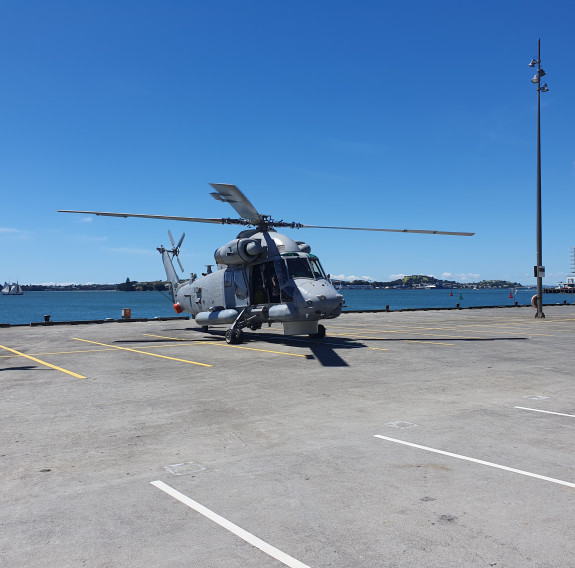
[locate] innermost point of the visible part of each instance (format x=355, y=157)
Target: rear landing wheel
x=205, y=328
x=320, y=332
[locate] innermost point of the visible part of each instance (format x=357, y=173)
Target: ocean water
x=82, y=305
x=96, y=305
x=445, y=298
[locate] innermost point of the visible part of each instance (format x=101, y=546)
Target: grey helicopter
x=262, y=276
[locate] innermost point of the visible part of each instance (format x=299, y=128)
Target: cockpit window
x=299, y=267
x=317, y=268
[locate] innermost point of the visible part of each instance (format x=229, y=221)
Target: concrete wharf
x=403, y=439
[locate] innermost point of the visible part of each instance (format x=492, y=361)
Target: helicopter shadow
x=20, y=368
x=325, y=352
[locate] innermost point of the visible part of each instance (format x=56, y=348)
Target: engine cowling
x=240, y=251
x=304, y=247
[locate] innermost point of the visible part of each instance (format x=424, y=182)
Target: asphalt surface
x=432, y=439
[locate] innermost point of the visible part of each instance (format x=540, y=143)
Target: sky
x=401, y=115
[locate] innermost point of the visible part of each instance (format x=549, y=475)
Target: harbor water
x=100, y=305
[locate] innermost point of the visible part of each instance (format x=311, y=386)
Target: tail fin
x=169, y=267
x=167, y=259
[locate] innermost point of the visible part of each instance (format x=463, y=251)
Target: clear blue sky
x=416, y=115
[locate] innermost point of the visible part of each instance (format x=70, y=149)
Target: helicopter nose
x=320, y=302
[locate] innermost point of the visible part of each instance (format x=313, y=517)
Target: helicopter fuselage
x=261, y=277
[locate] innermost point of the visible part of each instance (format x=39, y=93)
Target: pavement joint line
x=359, y=333
x=475, y=460
x=545, y=411
x=427, y=342
x=367, y=338
x=231, y=527
x=78, y=376
x=235, y=346
x=450, y=329
x=144, y=352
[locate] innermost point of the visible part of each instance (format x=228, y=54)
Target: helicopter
x=262, y=276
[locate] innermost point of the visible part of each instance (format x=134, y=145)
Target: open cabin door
x=264, y=284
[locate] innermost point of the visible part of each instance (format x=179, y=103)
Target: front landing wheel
x=234, y=336
x=320, y=332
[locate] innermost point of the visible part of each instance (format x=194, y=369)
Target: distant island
x=420, y=281
x=415, y=282
x=127, y=286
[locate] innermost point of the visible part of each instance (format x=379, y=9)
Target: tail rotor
x=175, y=252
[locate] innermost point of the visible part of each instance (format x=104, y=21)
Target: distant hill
x=127, y=286
x=420, y=280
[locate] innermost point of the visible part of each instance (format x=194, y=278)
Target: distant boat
x=12, y=289
x=567, y=287
x=569, y=284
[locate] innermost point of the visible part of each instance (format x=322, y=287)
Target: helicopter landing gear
x=234, y=336
x=320, y=332
x=255, y=326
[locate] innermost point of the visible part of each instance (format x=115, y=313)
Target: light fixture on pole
x=539, y=269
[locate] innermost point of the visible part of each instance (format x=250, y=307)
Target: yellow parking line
x=254, y=349
x=173, y=338
x=226, y=345
x=43, y=362
x=62, y=352
x=143, y=352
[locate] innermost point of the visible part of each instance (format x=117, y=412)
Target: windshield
x=317, y=268
x=299, y=267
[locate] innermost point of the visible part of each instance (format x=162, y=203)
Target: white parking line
x=545, y=411
x=245, y=535
x=482, y=462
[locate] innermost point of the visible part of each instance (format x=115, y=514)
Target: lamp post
x=539, y=270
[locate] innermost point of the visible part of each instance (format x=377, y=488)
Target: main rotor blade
x=232, y=195
x=171, y=218
x=389, y=230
